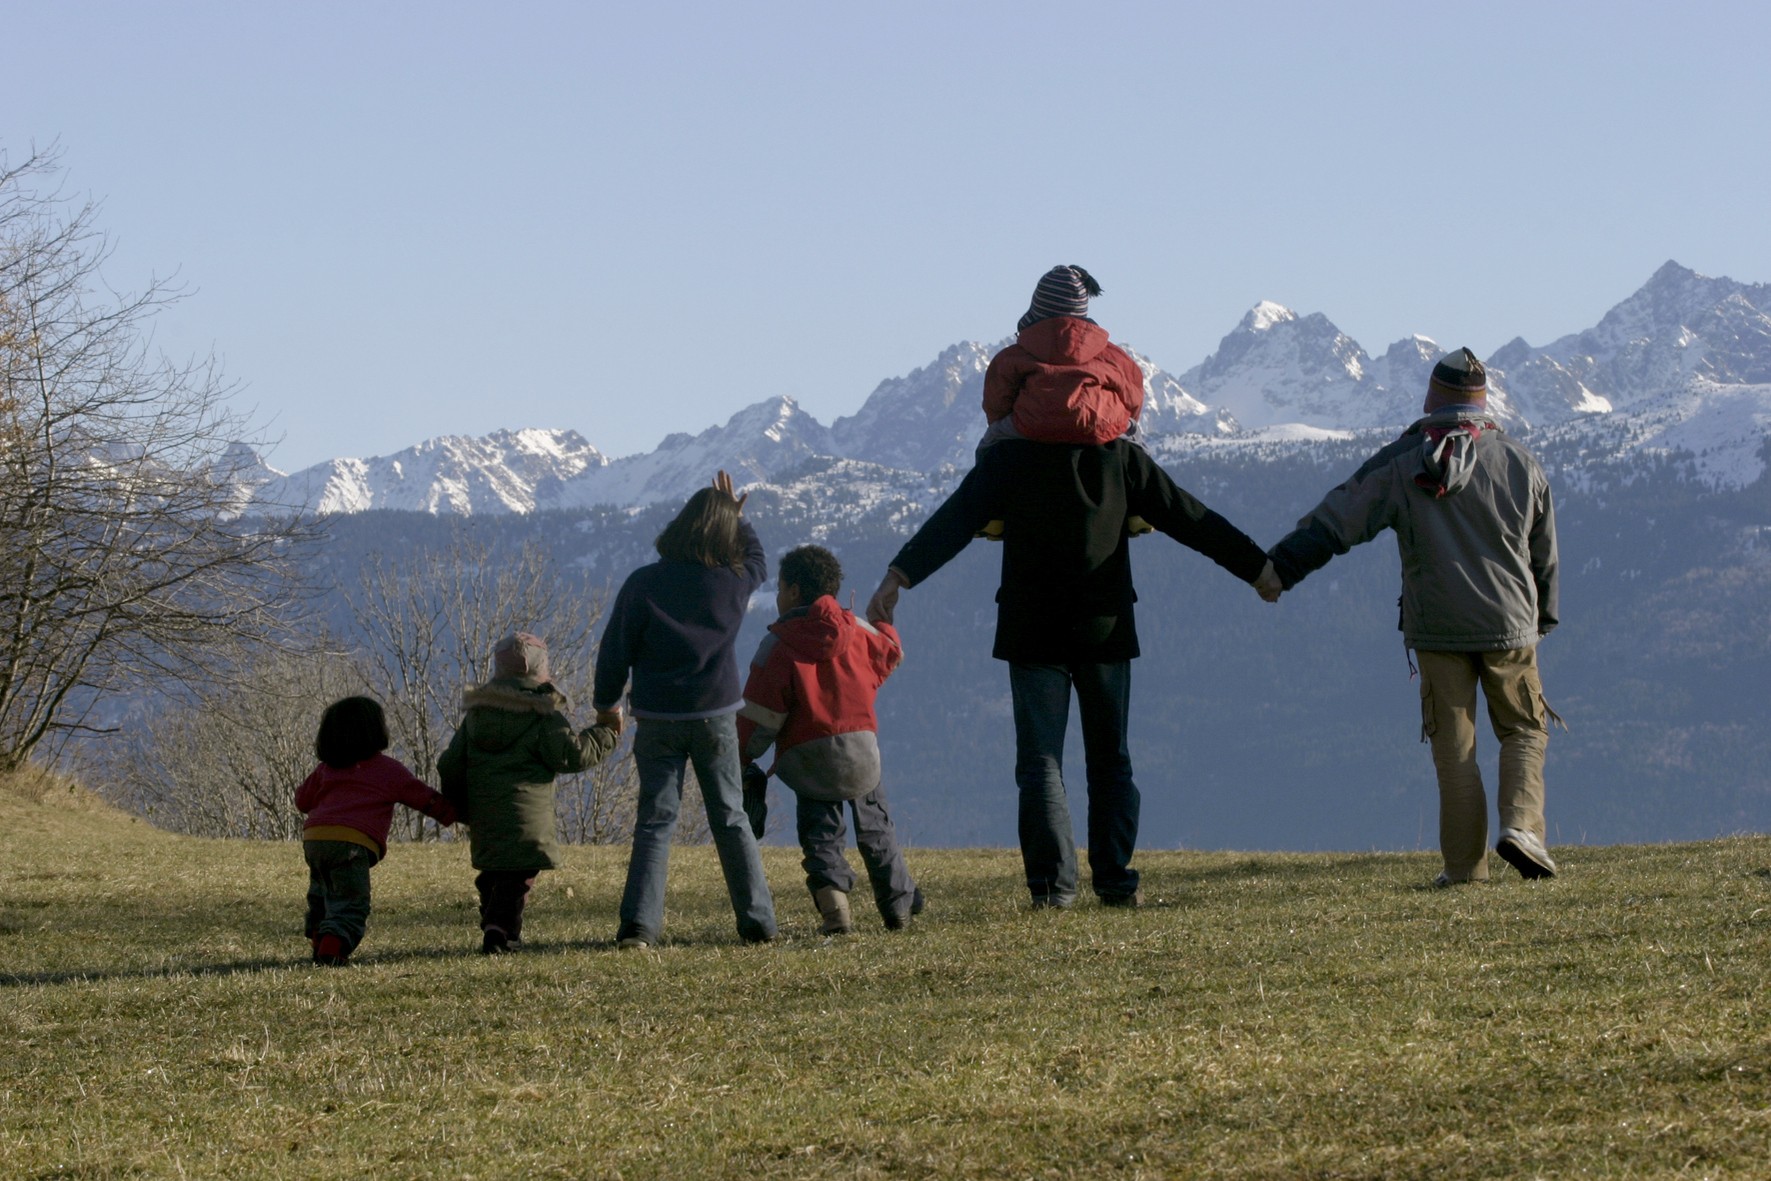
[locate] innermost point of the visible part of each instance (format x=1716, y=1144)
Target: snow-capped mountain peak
x=754, y=443
x=1265, y=315
x=500, y=472
x=1669, y=368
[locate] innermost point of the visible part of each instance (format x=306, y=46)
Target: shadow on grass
x=230, y=968
x=373, y=959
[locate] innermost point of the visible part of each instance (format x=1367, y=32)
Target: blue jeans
x=661, y=752
x=822, y=835
x=1042, y=713
x=338, y=889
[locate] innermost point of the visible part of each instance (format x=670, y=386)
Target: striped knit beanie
x=1062, y=291
x=1458, y=380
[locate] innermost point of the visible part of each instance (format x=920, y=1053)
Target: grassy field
x=1265, y=1016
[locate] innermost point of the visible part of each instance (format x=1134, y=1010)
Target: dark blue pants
x=338, y=889
x=822, y=835
x=1042, y=713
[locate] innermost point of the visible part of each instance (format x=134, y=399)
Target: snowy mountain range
x=1683, y=365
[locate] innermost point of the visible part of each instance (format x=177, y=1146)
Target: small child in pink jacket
x=349, y=804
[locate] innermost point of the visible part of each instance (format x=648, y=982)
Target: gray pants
x=1510, y=683
x=822, y=835
x=338, y=889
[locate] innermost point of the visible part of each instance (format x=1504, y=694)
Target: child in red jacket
x=810, y=694
x=349, y=803
x=1063, y=380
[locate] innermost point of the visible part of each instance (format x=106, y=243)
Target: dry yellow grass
x=1266, y=1016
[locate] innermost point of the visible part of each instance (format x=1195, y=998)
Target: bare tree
x=122, y=560
x=428, y=622
x=226, y=762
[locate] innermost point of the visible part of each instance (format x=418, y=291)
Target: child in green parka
x=499, y=771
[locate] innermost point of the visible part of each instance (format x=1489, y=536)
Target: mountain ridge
x=1679, y=342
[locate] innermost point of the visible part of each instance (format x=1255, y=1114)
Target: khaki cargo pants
x=1517, y=711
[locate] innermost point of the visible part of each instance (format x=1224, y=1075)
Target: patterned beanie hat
x=1458, y=380
x=1062, y=291
x=520, y=655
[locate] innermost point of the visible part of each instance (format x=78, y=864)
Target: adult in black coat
x=1066, y=621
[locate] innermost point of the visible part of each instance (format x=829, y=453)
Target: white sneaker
x=1525, y=853
x=632, y=943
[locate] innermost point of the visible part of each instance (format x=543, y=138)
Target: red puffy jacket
x=810, y=693
x=1063, y=381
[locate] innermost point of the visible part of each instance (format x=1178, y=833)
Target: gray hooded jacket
x=1474, y=523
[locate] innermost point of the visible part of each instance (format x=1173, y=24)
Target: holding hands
x=885, y=599
x=1267, y=583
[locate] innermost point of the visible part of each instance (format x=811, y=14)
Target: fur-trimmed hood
x=523, y=695
x=504, y=709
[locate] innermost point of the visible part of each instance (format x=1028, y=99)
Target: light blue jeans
x=662, y=750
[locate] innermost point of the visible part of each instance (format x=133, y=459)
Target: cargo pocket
x=1428, y=722
x=1522, y=695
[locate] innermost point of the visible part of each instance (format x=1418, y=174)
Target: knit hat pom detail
x=1061, y=291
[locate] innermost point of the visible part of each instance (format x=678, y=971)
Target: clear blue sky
x=404, y=220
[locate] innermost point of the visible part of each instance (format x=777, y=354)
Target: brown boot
x=833, y=904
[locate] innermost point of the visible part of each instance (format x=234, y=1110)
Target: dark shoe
x=1525, y=853
x=330, y=952
x=897, y=916
x=496, y=942
x=1124, y=901
x=1053, y=901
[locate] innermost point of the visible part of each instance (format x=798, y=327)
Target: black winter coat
x=1066, y=594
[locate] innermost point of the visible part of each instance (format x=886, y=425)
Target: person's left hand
x=723, y=483
x=1267, y=583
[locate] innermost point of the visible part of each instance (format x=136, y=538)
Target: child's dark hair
x=706, y=531
x=350, y=731
x=813, y=569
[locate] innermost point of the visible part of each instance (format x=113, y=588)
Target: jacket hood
x=1064, y=340
x=814, y=632
x=1448, y=448
x=501, y=711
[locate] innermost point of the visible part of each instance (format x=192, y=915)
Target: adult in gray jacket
x=1477, y=533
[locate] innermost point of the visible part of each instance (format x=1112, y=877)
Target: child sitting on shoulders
x=1063, y=380
x=349, y=804
x=810, y=694
x=499, y=768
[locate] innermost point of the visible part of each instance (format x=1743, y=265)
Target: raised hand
x=1267, y=583
x=723, y=483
